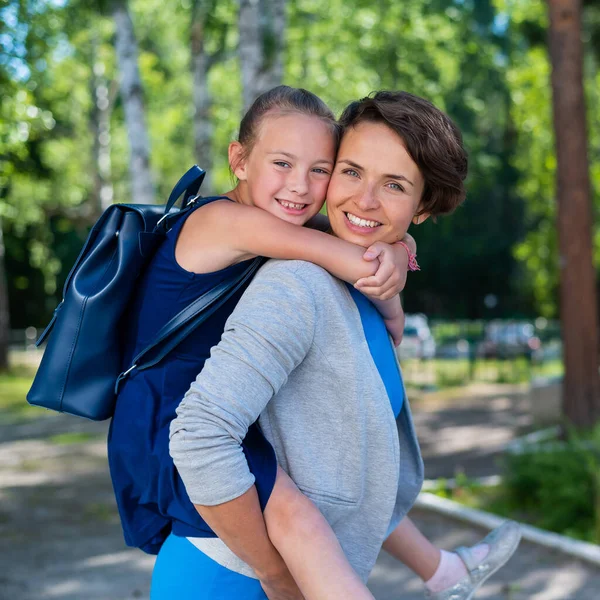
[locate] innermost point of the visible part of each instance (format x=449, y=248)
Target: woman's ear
x=418, y=219
x=237, y=161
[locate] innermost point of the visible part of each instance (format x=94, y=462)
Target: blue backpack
x=82, y=365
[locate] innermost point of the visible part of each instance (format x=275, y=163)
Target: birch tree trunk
x=201, y=93
x=578, y=304
x=261, y=47
x=4, y=315
x=142, y=189
x=104, y=94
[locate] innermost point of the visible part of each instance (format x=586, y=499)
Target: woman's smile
x=359, y=224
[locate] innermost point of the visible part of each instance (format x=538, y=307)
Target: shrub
x=556, y=486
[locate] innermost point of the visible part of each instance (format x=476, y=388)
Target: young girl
x=283, y=159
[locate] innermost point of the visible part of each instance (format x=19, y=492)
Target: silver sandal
x=503, y=542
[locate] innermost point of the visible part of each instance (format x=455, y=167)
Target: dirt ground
x=60, y=537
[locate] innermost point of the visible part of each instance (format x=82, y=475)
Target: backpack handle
x=188, y=186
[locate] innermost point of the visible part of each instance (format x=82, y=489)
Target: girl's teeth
x=292, y=205
x=361, y=222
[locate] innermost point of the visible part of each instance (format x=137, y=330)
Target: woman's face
x=376, y=187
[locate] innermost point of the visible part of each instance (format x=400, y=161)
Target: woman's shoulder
x=304, y=272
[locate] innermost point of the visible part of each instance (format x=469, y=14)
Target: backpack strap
x=184, y=322
x=188, y=186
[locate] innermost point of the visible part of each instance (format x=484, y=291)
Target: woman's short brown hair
x=433, y=141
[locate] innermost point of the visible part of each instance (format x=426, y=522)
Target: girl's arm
x=223, y=233
x=308, y=545
x=240, y=524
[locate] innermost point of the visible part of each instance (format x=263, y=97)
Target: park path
x=60, y=537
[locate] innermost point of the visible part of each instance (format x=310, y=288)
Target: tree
x=578, y=303
x=262, y=26
x=142, y=189
x=4, y=315
x=203, y=61
x=103, y=95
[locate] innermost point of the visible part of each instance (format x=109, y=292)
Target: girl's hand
x=282, y=588
x=395, y=328
x=390, y=278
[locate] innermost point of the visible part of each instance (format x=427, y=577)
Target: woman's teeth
x=291, y=205
x=361, y=222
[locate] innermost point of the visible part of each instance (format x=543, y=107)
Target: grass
x=14, y=386
x=439, y=373
x=75, y=437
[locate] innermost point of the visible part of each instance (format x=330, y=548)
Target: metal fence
x=440, y=353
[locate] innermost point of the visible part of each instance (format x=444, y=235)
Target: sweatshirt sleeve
x=265, y=339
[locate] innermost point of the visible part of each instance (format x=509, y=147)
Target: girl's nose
x=298, y=184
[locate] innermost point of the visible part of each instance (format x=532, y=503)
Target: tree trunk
x=262, y=38
x=142, y=189
x=103, y=94
x=201, y=63
x=4, y=315
x=578, y=308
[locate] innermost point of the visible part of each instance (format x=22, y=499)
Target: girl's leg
x=410, y=546
x=183, y=572
x=308, y=545
x=443, y=571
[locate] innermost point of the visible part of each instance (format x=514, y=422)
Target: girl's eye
x=350, y=172
x=281, y=163
x=320, y=171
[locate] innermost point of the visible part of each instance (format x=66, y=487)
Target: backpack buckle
x=122, y=376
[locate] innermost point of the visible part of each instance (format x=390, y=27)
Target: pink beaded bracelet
x=413, y=265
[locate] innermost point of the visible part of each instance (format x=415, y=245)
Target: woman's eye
x=396, y=186
x=281, y=163
x=350, y=172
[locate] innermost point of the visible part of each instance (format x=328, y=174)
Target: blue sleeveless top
x=150, y=494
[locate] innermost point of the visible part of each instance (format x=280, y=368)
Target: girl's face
x=376, y=187
x=289, y=167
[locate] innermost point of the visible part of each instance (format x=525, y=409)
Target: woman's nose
x=367, y=200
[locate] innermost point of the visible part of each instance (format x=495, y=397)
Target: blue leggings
x=183, y=572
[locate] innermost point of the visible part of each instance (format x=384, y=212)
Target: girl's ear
x=418, y=219
x=237, y=162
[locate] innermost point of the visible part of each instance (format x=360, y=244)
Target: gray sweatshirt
x=294, y=356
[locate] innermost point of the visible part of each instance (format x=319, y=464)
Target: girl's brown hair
x=433, y=141
x=283, y=100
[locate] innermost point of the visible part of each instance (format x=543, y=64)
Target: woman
x=297, y=355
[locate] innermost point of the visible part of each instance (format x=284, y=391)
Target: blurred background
x=111, y=101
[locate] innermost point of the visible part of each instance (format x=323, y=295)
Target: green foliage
x=483, y=61
x=557, y=486
x=554, y=486
x=528, y=76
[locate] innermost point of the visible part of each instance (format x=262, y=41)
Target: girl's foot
x=476, y=564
